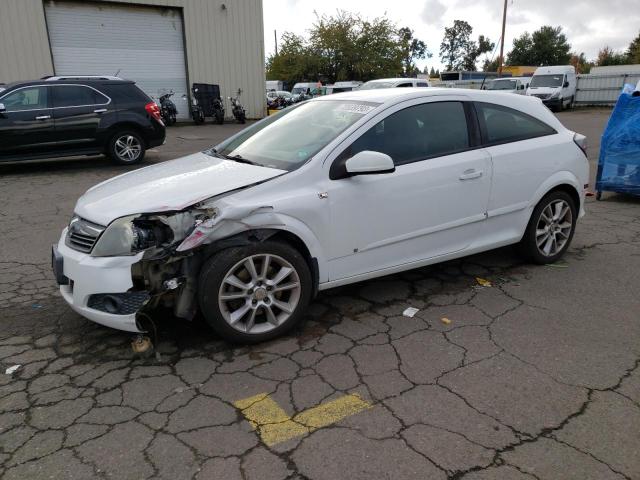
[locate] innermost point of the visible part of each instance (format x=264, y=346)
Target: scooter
x=238, y=110
x=168, y=109
x=218, y=110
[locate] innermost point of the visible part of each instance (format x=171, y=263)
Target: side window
x=32, y=98
x=404, y=85
x=74, y=96
x=422, y=84
x=416, y=133
x=503, y=125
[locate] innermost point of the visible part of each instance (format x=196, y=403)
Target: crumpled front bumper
x=87, y=276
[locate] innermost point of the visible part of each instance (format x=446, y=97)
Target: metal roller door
x=144, y=44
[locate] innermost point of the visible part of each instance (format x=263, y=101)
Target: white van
x=555, y=86
x=395, y=83
x=340, y=87
x=274, y=85
x=517, y=85
x=303, y=88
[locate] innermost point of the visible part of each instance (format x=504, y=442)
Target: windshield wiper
x=240, y=159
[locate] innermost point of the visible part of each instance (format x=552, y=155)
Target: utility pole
x=504, y=24
x=275, y=37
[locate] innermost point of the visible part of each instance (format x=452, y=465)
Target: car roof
x=399, y=79
x=391, y=96
x=75, y=81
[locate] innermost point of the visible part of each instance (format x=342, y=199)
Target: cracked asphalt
x=535, y=377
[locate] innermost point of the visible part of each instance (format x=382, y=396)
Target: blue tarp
x=619, y=163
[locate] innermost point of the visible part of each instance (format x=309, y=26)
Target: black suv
x=68, y=116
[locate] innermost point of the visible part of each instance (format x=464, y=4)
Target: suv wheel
x=550, y=229
x=126, y=148
x=256, y=292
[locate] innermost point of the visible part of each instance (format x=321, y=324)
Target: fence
x=594, y=89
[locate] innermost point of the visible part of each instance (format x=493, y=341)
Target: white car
x=383, y=181
x=394, y=83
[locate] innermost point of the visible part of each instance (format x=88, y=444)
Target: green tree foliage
x=546, y=46
x=580, y=62
x=347, y=47
x=490, y=65
x=634, y=50
x=458, y=51
x=607, y=57
x=455, y=45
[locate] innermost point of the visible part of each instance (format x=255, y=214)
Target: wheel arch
x=124, y=127
x=258, y=235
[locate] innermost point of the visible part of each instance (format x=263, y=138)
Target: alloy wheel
x=259, y=293
x=128, y=148
x=553, y=230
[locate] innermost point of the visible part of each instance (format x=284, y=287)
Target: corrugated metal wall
x=602, y=89
x=223, y=45
x=24, y=46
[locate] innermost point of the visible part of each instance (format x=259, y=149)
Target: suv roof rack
x=80, y=77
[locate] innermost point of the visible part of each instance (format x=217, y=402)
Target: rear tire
x=253, y=293
x=550, y=229
x=126, y=148
x=219, y=118
x=198, y=117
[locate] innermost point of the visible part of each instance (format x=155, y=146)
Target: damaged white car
x=336, y=190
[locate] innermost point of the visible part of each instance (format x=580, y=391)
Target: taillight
x=153, y=109
x=581, y=142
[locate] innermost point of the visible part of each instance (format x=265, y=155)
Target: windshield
x=290, y=138
x=374, y=85
x=298, y=90
x=502, y=85
x=546, y=81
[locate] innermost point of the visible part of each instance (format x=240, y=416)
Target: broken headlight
x=131, y=235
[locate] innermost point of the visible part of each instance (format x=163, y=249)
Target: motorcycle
x=197, y=113
x=237, y=108
x=168, y=109
x=218, y=110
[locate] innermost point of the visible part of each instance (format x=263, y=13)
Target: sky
x=588, y=24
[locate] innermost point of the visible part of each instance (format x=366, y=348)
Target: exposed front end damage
x=169, y=270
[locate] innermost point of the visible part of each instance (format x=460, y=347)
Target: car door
x=522, y=158
x=431, y=205
x=26, y=122
x=78, y=111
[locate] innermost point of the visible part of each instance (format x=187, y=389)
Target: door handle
x=100, y=110
x=43, y=117
x=471, y=174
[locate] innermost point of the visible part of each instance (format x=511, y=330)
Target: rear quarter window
x=126, y=93
x=500, y=124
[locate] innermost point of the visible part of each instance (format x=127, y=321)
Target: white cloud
x=433, y=12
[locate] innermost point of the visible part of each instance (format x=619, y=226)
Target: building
x=161, y=44
x=519, y=70
x=456, y=75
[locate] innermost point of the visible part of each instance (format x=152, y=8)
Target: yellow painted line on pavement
x=275, y=426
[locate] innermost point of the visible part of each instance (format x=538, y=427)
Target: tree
x=345, y=46
x=474, y=50
x=491, y=65
x=607, y=57
x=546, y=46
x=432, y=73
x=634, y=50
x=456, y=45
x=580, y=62
x=412, y=49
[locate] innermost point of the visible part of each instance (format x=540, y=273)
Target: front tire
x=550, y=229
x=254, y=293
x=126, y=148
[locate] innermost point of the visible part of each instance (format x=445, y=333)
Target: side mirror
x=2, y=108
x=369, y=163
x=566, y=84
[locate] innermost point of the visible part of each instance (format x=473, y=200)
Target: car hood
x=172, y=185
x=543, y=90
